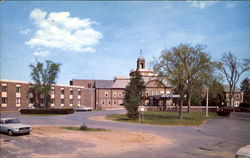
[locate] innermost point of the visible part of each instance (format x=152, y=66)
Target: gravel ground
x=216, y=138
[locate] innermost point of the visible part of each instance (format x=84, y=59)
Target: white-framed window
x=79, y=91
x=79, y=101
x=52, y=101
x=18, y=89
x=4, y=100
x=106, y=94
x=162, y=92
x=4, y=87
x=71, y=91
x=31, y=100
x=18, y=100
x=120, y=94
x=62, y=101
x=114, y=94
x=62, y=91
x=52, y=90
x=71, y=101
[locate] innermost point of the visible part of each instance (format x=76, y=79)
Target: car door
x=2, y=126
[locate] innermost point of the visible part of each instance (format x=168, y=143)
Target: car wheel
x=10, y=133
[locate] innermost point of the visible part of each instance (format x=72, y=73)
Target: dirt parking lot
x=55, y=142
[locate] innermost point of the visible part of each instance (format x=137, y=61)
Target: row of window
x=5, y=89
x=114, y=94
x=5, y=100
x=18, y=101
x=114, y=102
x=18, y=89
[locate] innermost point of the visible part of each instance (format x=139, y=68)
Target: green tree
x=245, y=88
x=43, y=75
x=183, y=67
x=134, y=93
x=232, y=69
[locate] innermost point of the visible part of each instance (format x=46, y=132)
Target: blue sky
x=101, y=40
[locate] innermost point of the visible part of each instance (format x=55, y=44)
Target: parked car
x=243, y=152
x=83, y=108
x=12, y=126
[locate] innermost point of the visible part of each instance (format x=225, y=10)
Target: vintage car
x=83, y=108
x=243, y=152
x=12, y=126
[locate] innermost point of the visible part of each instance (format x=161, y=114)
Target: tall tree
x=184, y=66
x=232, y=69
x=134, y=94
x=245, y=88
x=43, y=75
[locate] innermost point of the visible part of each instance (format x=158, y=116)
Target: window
x=71, y=101
x=62, y=91
x=62, y=101
x=1, y=122
x=52, y=90
x=4, y=87
x=79, y=91
x=89, y=85
x=109, y=102
x=79, y=101
x=120, y=102
x=18, y=89
x=30, y=100
x=106, y=94
x=114, y=94
x=162, y=92
x=4, y=100
x=71, y=92
x=103, y=102
x=114, y=102
x=120, y=94
x=52, y=101
x=18, y=100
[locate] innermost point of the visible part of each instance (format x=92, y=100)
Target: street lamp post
x=207, y=88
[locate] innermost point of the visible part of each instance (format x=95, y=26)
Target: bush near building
x=47, y=111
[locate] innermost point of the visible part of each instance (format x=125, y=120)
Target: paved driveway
x=216, y=138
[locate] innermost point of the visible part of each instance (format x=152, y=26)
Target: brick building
x=109, y=94
x=18, y=94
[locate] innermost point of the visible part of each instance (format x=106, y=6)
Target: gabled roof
x=121, y=83
x=227, y=87
x=104, y=83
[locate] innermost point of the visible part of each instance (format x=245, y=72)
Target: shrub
x=225, y=111
x=83, y=127
x=47, y=111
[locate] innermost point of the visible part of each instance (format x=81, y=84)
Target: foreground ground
x=216, y=138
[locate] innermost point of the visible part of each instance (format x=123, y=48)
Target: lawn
x=85, y=129
x=166, y=118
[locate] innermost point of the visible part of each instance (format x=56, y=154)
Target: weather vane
x=140, y=52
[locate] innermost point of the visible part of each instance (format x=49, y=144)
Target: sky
x=101, y=40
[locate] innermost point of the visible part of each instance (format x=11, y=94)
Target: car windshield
x=12, y=121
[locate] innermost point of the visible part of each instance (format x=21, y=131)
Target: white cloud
x=42, y=53
x=230, y=5
x=201, y=4
x=25, y=31
x=59, y=30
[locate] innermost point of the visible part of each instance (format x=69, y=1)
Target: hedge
x=47, y=111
